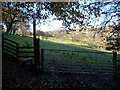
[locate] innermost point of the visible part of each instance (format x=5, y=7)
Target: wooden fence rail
x=21, y=54
x=11, y=48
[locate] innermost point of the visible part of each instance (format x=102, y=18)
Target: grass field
x=52, y=43
x=57, y=44
x=63, y=57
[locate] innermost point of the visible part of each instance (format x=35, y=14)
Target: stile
x=10, y=40
x=9, y=47
x=13, y=45
x=10, y=51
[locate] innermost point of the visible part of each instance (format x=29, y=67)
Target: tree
x=15, y=12
x=11, y=14
x=114, y=38
x=38, y=32
x=72, y=13
x=82, y=14
x=23, y=28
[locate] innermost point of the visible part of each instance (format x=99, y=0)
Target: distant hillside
x=91, y=36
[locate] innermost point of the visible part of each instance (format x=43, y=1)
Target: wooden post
x=42, y=60
x=34, y=32
x=114, y=64
x=34, y=41
x=37, y=51
x=2, y=44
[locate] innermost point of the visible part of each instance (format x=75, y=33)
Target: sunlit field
x=77, y=45
x=62, y=54
x=54, y=43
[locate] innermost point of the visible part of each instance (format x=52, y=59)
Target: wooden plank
x=25, y=51
x=25, y=47
x=9, y=44
x=10, y=41
x=10, y=47
x=25, y=56
x=9, y=51
x=26, y=59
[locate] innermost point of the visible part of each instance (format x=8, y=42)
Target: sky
x=52, y=24
x=49, y=25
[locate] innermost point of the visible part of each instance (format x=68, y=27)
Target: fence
x=79, y=61
x=66, y=60
x=117, y=66
x=12, y=48
x=25, y=52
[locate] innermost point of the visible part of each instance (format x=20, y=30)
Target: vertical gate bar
x=37, y=54
x=114, y=64
x=42, y=60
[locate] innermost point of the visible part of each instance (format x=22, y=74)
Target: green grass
x=65, y=57
x=74, y=45
x=23, y=41
x=53, y=43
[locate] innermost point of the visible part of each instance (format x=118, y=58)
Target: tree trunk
x=9, y=26
x=6, y=32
